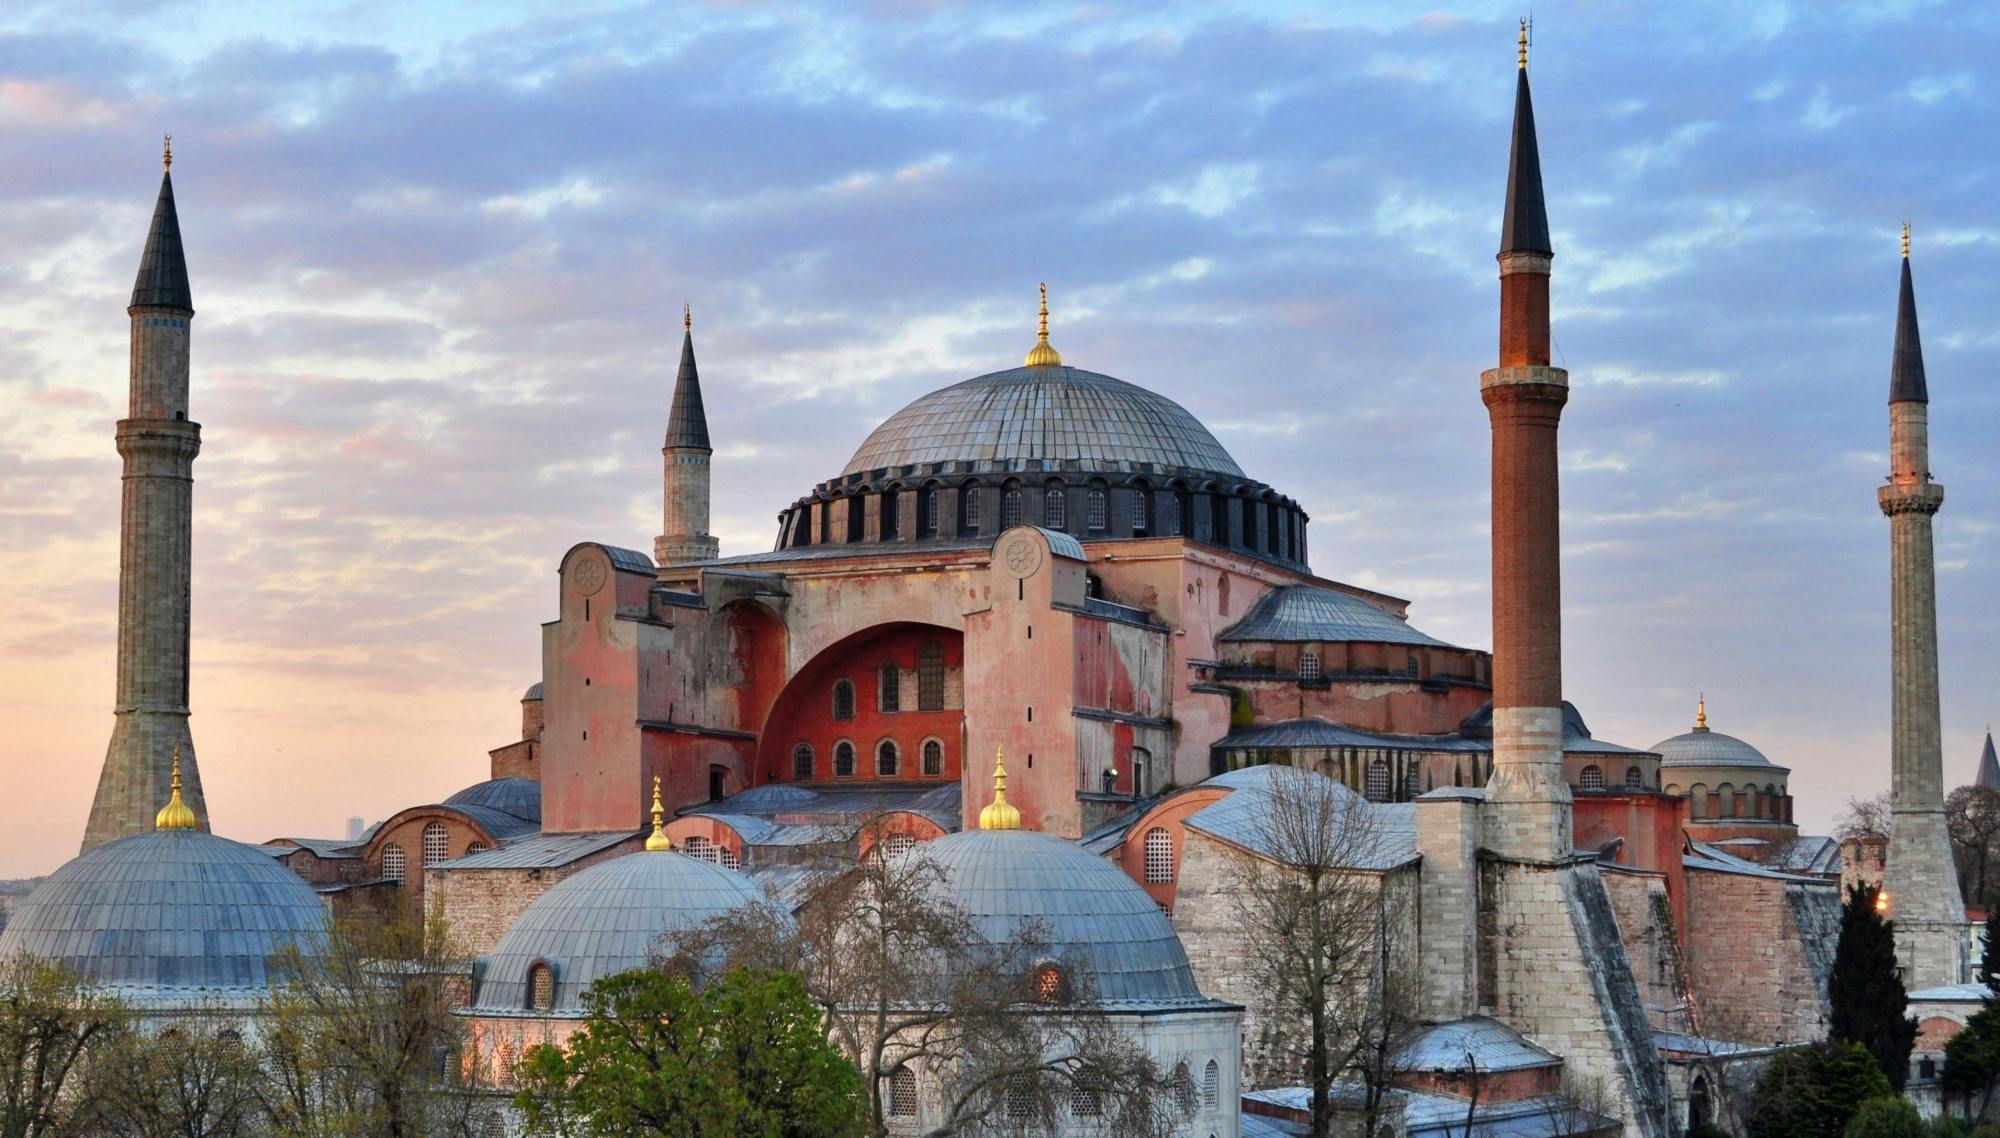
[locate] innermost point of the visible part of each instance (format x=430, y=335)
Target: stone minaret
x=1528, y=814
x=158, y=444
x=1919, y=878
x=685, y=535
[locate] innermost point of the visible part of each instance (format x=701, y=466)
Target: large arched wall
x=804, y=711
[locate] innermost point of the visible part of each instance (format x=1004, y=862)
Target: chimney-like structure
x=158, y=444
x=1920, y=879
x=1528, y=815
x=684, y=533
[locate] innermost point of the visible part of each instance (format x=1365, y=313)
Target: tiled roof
x=1326, y=733
x=1242, y=818
x=787, y=804
x=1308, y=613
x=1452, y=1046
x=329, y=848
x=1714, y=859
x=538, y=851
x=1703, y=747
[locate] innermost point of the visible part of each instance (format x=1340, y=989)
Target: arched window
x=888, y=759
x=1011, y=508
x=1141, y=510
x=891, y=686
x=437, y=844
x=1378, y=781
x=541, y=987
x=1725, y=801
x=726, y=858
x=1183, y=1089
x=1049, y=986
x=1309, y=665
x=1176, y=513
x=896, y=845
x=701, y=849
x=933, y=758
x=927, y=512
x=968, y=509
x=1697, y=801
x=475, y=847
x=857, y=518
x=903, y=1093
x=392, y=862
x=1094, y=511
x=1218, y=518
x=1211, y=1085
x=1412, y=774
x=1633, y=779
x=930, y=676
x=889, y=515
x=1592, y=778
x=1159, y=856
x=802, y=762
x=1052, y=507
x=843, y=759
x=843, y=699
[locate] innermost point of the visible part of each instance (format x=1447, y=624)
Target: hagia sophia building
x=1068, y=568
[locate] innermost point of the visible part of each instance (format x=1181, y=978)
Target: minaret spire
x=684, y=535
x=1989, y=765
x=1906, y=367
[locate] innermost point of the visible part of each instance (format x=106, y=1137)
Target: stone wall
x=478, y=905
x=1759, y=950
x=1645, y=918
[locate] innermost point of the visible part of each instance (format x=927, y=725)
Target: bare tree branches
x=50, y=1023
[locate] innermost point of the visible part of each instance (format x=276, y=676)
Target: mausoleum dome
x=1703, y=747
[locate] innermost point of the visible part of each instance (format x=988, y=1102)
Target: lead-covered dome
x=174, y=917
x=1703, y=747
x=1052, y=414
x=1092, y=914
x=610, y=918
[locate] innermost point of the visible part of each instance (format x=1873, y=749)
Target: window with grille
x=1378, y=781
x=541, y=987
x=1211, y=1085
x=1183, y=1089
x=437, y=843
x=1010, y=509
x=843, y=759
x=1176, y=511
x=892, y=686
x=969, y=508
x=1140, y=498
x=392, y=862
x=930, y=676
x=475, y=847
x=843, y=699
x=903, y=1093
x=726, y=858
x=1309, y=665
x=1633, y=779
x=1020, y=1098
x=1159, y=856
x=1592, y=778
x=700, y=849
x=927, y=512
x=1094, y=509
x=896, y=845
x=493, y=1127
x=1052, y=508
x=1049, y=985
x=1084, y=1103
x=802, y=762
x=503, y=1061
x=933, y=757
x=888, y=759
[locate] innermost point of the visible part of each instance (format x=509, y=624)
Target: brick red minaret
x=1529, y=815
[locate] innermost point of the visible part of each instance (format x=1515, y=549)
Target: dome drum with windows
x=1050, y=445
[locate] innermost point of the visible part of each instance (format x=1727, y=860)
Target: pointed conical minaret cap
x=658, y=841
x=1906, y=367
x=176, y=815
x=1043, y=354
x=999, y=814
x=1701, y=712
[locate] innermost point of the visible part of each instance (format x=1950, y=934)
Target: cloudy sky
x=439, y=253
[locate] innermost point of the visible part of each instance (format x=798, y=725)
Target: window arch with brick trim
x=888, y=759
x=802, y=762
x=437, y=844
x=541, y=986
x=1159, y=856
x=843, y=699
x=933, y=758
x=476, y=847
x=393, y=863
x=1592, y=777
x=843, y=759
x=1182, y=1085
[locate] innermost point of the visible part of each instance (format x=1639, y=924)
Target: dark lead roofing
x=163, y=270
x=687, y=423
x=1525, y=228
x=1906, y=370
x=520, y=797
x=1309, y=614
x=1989, y=765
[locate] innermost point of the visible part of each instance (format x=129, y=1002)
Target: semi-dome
x=1048, y=414
x=607, y=919
x=519, y=797
x=1092, y=914
x=1703, y=747
x=173, y=916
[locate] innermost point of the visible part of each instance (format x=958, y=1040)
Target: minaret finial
x=999, y=814
x=1906, y=240
x=1524, y=43
x=687, y=317
x=1042, y=354
x=176, y=815
x=167, y=154
x=1701, y=712
x=658, y=840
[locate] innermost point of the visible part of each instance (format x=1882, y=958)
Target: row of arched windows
x=1592, y=778
x=436, y=844
x=888, y=760
x=1761, y=803
x=889, y=684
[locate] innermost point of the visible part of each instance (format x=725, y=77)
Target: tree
x=745, y=1057
x=1311, y=893
x=51, y=1024
x=195, y=1079
x=1892, y=1117
x=1865, y=993
x=1864, y=818
x=360, y=1041
x=1813, y=1092
x=1972, y=1059
x=1989, y=955
x=1972, y=817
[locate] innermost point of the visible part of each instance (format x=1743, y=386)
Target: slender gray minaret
x=1920, y=879
x=158, y=444
x=684, y=537
x=1989, y=765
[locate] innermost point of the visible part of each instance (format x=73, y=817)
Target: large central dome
x=1046, y=413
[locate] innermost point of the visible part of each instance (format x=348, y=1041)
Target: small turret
x=1989, y=765
x=684, y=535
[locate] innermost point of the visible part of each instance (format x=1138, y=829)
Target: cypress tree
x=1867, y=996
x=1989, y=958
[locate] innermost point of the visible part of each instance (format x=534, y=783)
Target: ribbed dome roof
x=520, y=797
x=1702, y=747
x=607, y=919
x=169, y=916
x=1052, y=413
x=1091, y=912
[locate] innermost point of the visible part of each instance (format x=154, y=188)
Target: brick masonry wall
x=1756, y=972
x=479, y=905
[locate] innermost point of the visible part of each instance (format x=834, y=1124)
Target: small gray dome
x=169, y=916
x=1054, y=413
x=534, y=692
x=607, y=919
x=1091, y=912
x=519, y=797
x=1702, y=747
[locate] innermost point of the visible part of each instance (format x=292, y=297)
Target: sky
x=439, y=254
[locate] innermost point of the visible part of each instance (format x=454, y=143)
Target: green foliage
x=745, y=1057
x=52, y=1026
x=1989, y=958
x=1972, y=1057
x=193, y=1078
x=1892, y=1117
x=1948, y=1126
x=1813, y=1092
x=1867, y=996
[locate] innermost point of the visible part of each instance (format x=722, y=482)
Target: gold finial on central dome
x=1701, y=712
x=167, y=154
x=1043, y=354
x=176, y=815
x=1906, y=241
x=1524, y=43
x=658, y=840
x=999, y=814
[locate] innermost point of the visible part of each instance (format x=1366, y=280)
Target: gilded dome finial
x=1906, y=241
x=176, y=815
x=999, y=814
x=658, y=840
x=1524, y=43
x=1043, y=354
x=167, y=154
x=1701, y=712
x=687, y=317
